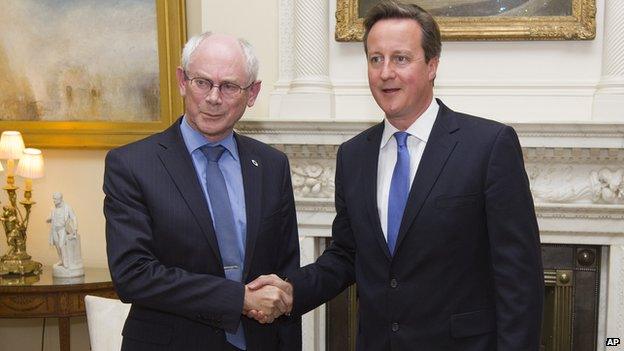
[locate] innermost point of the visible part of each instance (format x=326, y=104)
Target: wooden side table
x=47, y=296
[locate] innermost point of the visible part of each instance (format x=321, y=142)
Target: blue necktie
x=399, y=190
x=223, y=221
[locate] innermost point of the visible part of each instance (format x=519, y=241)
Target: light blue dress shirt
x=229, y=163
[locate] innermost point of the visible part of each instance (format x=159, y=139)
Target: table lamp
x=14, y=221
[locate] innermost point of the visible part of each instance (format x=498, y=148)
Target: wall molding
x=580, y=135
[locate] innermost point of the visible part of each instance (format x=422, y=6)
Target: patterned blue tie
x=399, y=190
x=223, y=221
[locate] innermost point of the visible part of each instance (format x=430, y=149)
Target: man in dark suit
x=435, y=220
x=196, y=211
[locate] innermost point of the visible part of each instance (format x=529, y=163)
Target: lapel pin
x=254, y=162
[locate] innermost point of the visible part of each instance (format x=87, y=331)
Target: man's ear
x=254, y=90
x=181, y=80
x=432, y=68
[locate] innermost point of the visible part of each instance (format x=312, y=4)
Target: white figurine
x=64, y=236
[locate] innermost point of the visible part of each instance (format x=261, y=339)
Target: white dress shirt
x=416, y=141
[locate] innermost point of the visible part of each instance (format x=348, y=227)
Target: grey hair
x=252, y=63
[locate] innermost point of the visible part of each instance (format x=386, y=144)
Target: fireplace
x=576, y=179
x=572, y=280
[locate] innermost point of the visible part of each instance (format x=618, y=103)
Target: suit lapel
x=370, y=176
x=177, y=160
x=251, y=168
x=439, y=147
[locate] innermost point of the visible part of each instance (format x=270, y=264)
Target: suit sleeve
x=514, y=247
x=139, y=277
x=334, y=270
x=289, y=327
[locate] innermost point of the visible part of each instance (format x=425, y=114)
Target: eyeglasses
x=204, y=86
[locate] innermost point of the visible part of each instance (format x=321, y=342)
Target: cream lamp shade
x=30, y=165
x=11, y=145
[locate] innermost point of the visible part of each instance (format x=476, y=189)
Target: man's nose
x=387, y=71
x=213, y=96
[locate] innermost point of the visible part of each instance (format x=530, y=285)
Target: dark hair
x=388, y=9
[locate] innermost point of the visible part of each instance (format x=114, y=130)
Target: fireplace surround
x=576, y=173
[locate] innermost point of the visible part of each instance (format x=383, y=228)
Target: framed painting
x=487, y=19
x=89, y=73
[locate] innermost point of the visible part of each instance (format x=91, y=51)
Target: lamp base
x=23, y=265
x=18, y=279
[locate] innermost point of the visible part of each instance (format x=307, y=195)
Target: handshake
x=267, y=298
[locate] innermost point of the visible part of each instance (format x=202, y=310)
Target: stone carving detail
x=312, y=169
x=583, y=156
x=546, y=184
x=565, y=184
x=311, y=40
x=312, y=179
x=583, y=176
x=607, y=186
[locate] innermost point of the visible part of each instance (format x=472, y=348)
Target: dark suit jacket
x=163, y=253
x=467, y=272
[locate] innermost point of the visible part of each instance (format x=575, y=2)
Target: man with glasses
x=196, y=211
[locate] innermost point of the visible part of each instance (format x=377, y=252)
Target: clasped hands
x=267, y=298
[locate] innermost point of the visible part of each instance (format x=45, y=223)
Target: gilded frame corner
x=171, y=29
x=581, y=25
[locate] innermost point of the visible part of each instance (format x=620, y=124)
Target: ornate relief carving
x=312, y=169
x=312, y=179
x=584, y=212
x=316, y=207
x=311, y=43
x=607, y=186
x=557, y=175
x=564, y=183
x=574, y=155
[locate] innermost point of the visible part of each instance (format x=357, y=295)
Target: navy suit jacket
x=163, y=253
x=467, y=272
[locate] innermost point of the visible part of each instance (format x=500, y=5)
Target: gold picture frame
x=581, y=25
x=85, y=134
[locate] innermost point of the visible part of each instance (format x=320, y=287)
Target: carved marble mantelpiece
x=576, y=172
x=572, y=167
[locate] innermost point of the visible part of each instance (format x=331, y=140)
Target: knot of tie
x=401, y=138
x=212, y=153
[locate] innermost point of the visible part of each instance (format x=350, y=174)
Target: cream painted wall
x=255, y=21
x=78, y=175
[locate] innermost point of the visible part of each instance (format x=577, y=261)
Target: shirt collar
x=421, y=128
x=194, y=140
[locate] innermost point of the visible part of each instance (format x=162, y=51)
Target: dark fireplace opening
x=572, y=281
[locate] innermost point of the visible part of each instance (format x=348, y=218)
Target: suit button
x=395, y=327
x=393, y=283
